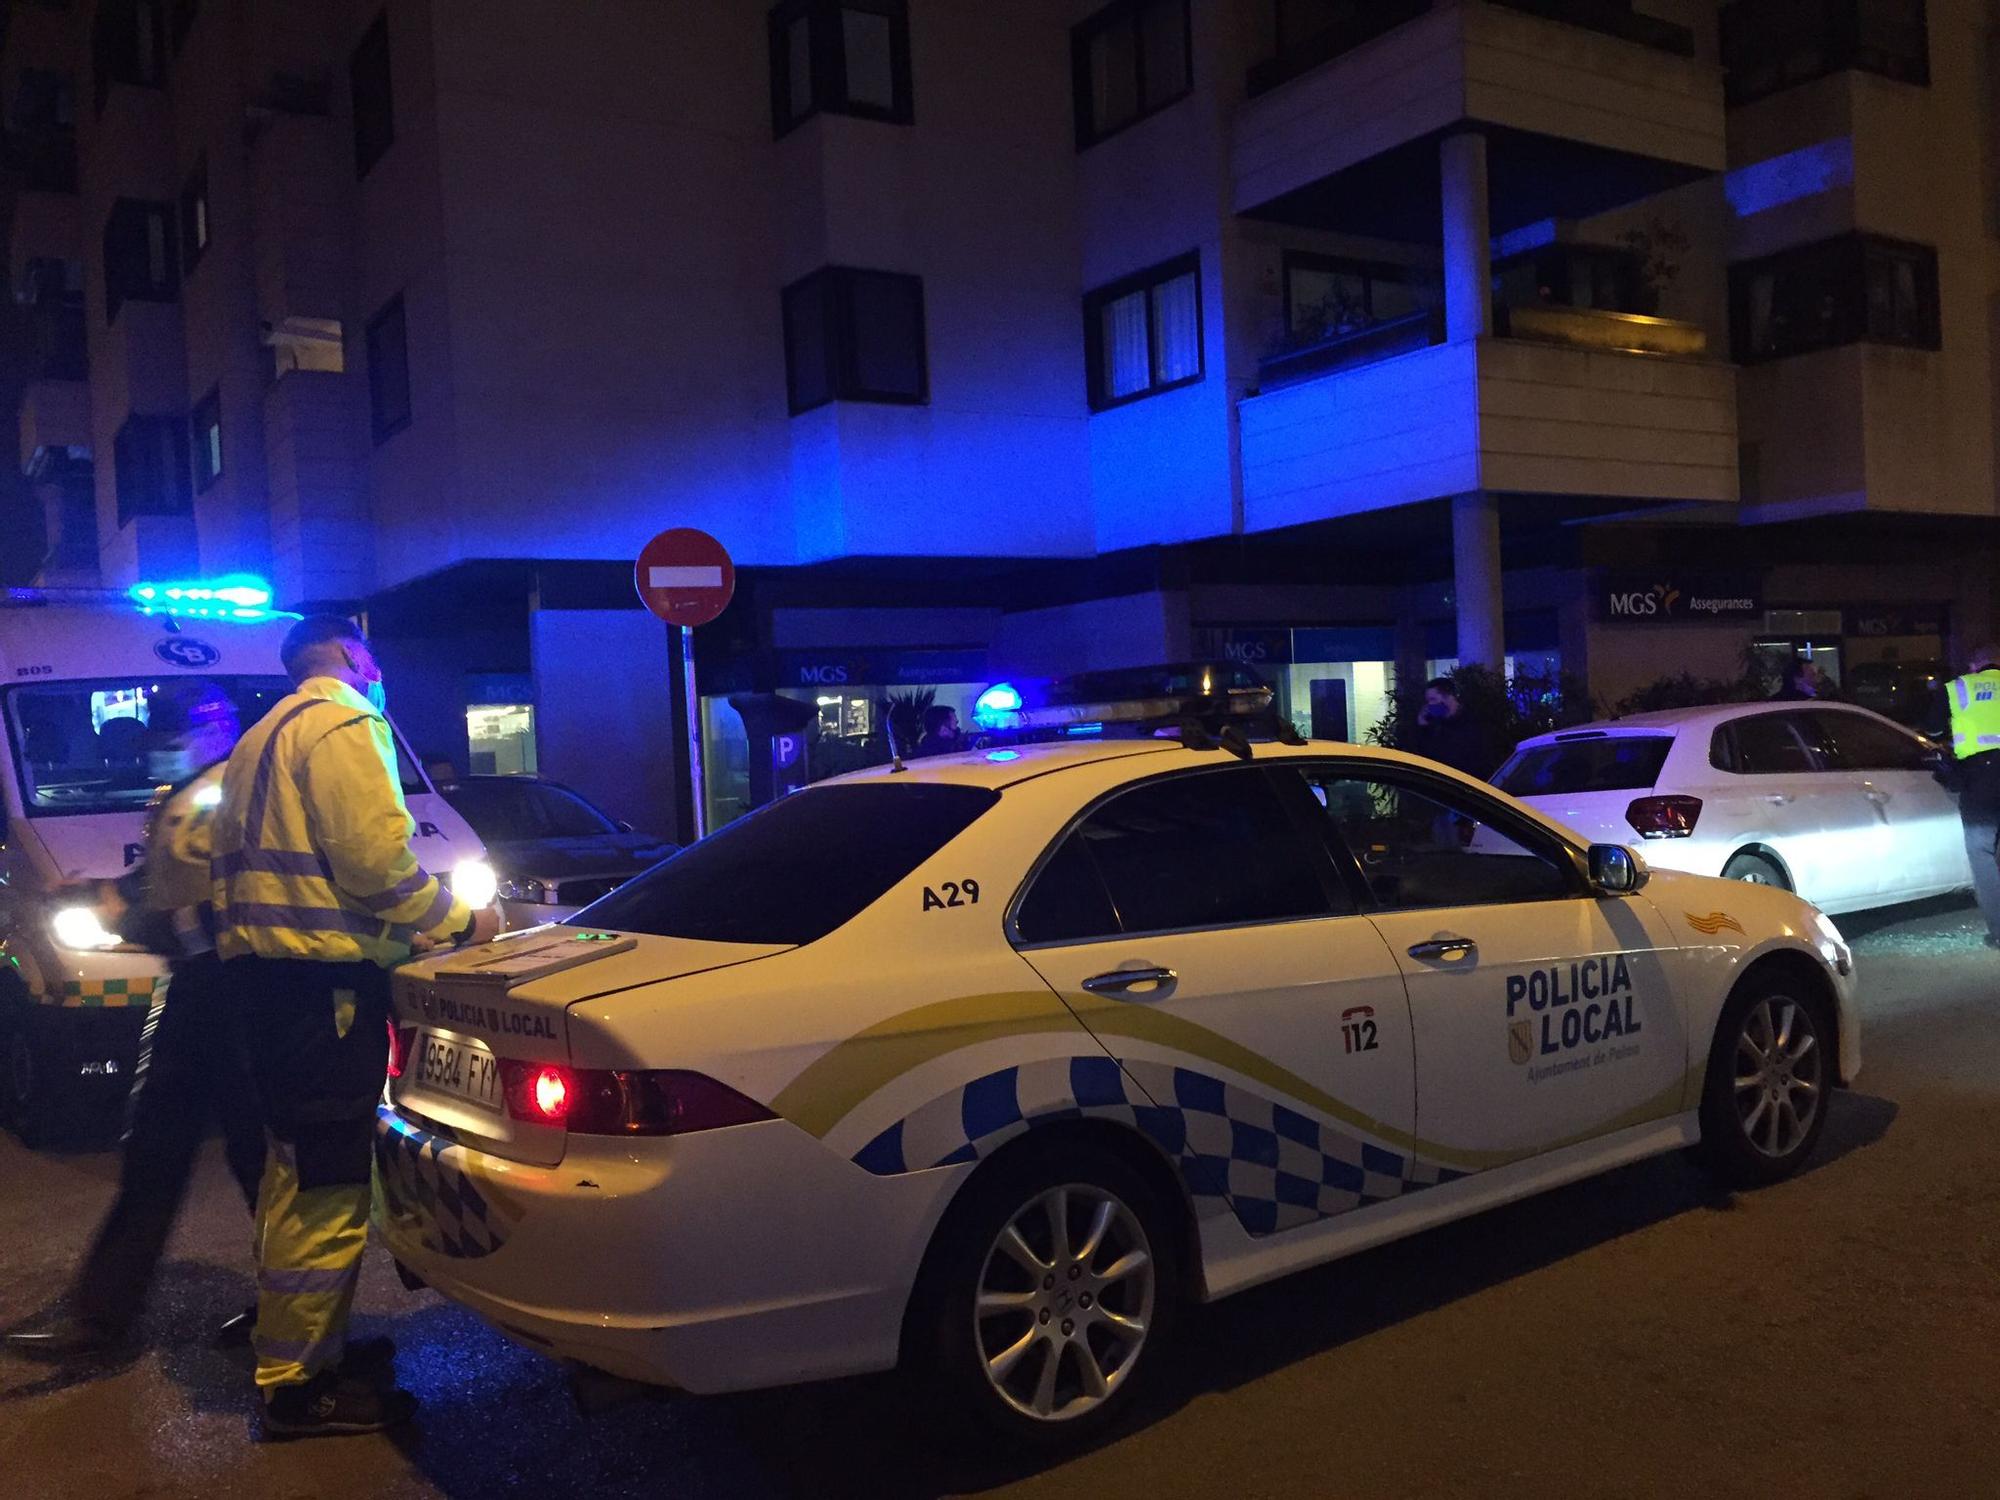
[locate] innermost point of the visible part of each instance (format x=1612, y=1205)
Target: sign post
x=686, y=578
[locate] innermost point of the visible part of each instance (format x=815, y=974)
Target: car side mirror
x=625, y=827
x=1616, y=870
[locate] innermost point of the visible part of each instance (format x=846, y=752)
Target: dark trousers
x=1979, y=811
x=194, y=1071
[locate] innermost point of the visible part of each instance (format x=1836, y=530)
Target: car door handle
x=1778, y=799
x=1118, y=981
x=1444, y=947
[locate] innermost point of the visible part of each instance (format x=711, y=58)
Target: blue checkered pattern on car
x=1276, y=1166
x=424, y=1188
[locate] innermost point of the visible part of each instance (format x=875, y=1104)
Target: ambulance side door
x=1542, y=1014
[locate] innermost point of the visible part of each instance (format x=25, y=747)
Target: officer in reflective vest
x=1974, y=700
x=317, y=893
x=192, y=1067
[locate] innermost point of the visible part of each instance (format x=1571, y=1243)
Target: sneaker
x=333, y=1404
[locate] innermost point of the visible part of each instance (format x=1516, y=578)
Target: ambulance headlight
x=473, y=882
x=78, y=927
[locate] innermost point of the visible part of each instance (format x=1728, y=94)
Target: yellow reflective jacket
x=1975, y=713
x=311, y=844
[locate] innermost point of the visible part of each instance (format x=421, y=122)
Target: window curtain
x=1127, y=367
x=1176, y=330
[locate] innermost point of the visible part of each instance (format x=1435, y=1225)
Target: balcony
x=1574, y=108
x=1349, y=24
x=1515, y=415
x=1771, y=45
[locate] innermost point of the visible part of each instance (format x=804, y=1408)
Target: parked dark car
x=553, y=851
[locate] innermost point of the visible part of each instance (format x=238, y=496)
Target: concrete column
x=1475, y=549
x=1468, y=238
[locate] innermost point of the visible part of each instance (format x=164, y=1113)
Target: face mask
x=377, y=696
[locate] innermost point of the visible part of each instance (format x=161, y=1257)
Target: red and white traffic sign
x=685, y=576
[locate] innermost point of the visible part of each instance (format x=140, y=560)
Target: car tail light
x=1664, y=817
x=401, y=1040
x=624, y=1101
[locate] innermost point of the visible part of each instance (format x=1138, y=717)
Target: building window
x=1130, y=60
x=389, y=370
x=1142, y=335
x=139, y=260
x=205, y=432
x=1856, y=289
x=855, y=336
x=840, y=57
x=374, y=105
x=1772, y=45
x=194, y=216
x=151, y=456
x=127, y=45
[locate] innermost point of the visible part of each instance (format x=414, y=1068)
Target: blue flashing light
x=236, y=596
x=1003, y=755
x=1081, y=731
x=992, y=708
x=1805, y=173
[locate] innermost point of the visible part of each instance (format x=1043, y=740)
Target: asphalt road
x=1636, y=1335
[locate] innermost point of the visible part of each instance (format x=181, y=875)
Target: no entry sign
x=685, y=576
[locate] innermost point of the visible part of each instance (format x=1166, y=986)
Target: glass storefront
x=501, y=737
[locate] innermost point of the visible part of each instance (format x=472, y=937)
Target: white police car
x=993, y=1064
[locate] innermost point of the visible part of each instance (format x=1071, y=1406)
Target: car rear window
x=796, y=870
x=1614, y=763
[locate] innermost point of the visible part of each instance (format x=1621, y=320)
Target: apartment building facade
x=1349, y=337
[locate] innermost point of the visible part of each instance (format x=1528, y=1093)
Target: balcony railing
x=1593, y=328
x=1344, y=351
x=1772, y=45
x=1356, y=22
x=1359, y=21
x=1612, y=18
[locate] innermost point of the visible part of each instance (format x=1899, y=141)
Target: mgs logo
x=1520, y=1040
x=1659, y=600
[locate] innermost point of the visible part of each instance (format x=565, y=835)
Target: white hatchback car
x=1836, y=803
x=992, y=1064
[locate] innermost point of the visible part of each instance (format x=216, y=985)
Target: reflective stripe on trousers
x=309, y=1244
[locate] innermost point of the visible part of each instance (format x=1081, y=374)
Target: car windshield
x=1610, y=763
x=504, y=812
x=90, y=746
x=793, y=871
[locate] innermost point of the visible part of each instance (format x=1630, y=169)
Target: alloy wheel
x=1064, y=1301
x=1779, y=1075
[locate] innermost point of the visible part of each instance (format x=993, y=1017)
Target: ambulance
x=78, y=671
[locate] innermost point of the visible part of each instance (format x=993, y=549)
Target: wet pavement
x=1637, y=1335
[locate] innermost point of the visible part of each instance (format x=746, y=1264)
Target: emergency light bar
x=235, y=596
x=1137, y=700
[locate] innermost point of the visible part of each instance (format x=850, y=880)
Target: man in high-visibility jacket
x=1974, y=700
x=317, y=893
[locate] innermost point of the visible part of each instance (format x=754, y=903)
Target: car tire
x=1770, y=1076
x=30, y=1103
x=1755, y=869
x=1083, y=1325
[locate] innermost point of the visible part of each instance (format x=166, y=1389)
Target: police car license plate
x=463, y=1069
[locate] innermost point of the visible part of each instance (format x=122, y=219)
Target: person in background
x=1447, y=735
x=192, y=1065
x=941, y=733
x=317, y=894
x=1974, y=701
x=1801, y=681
